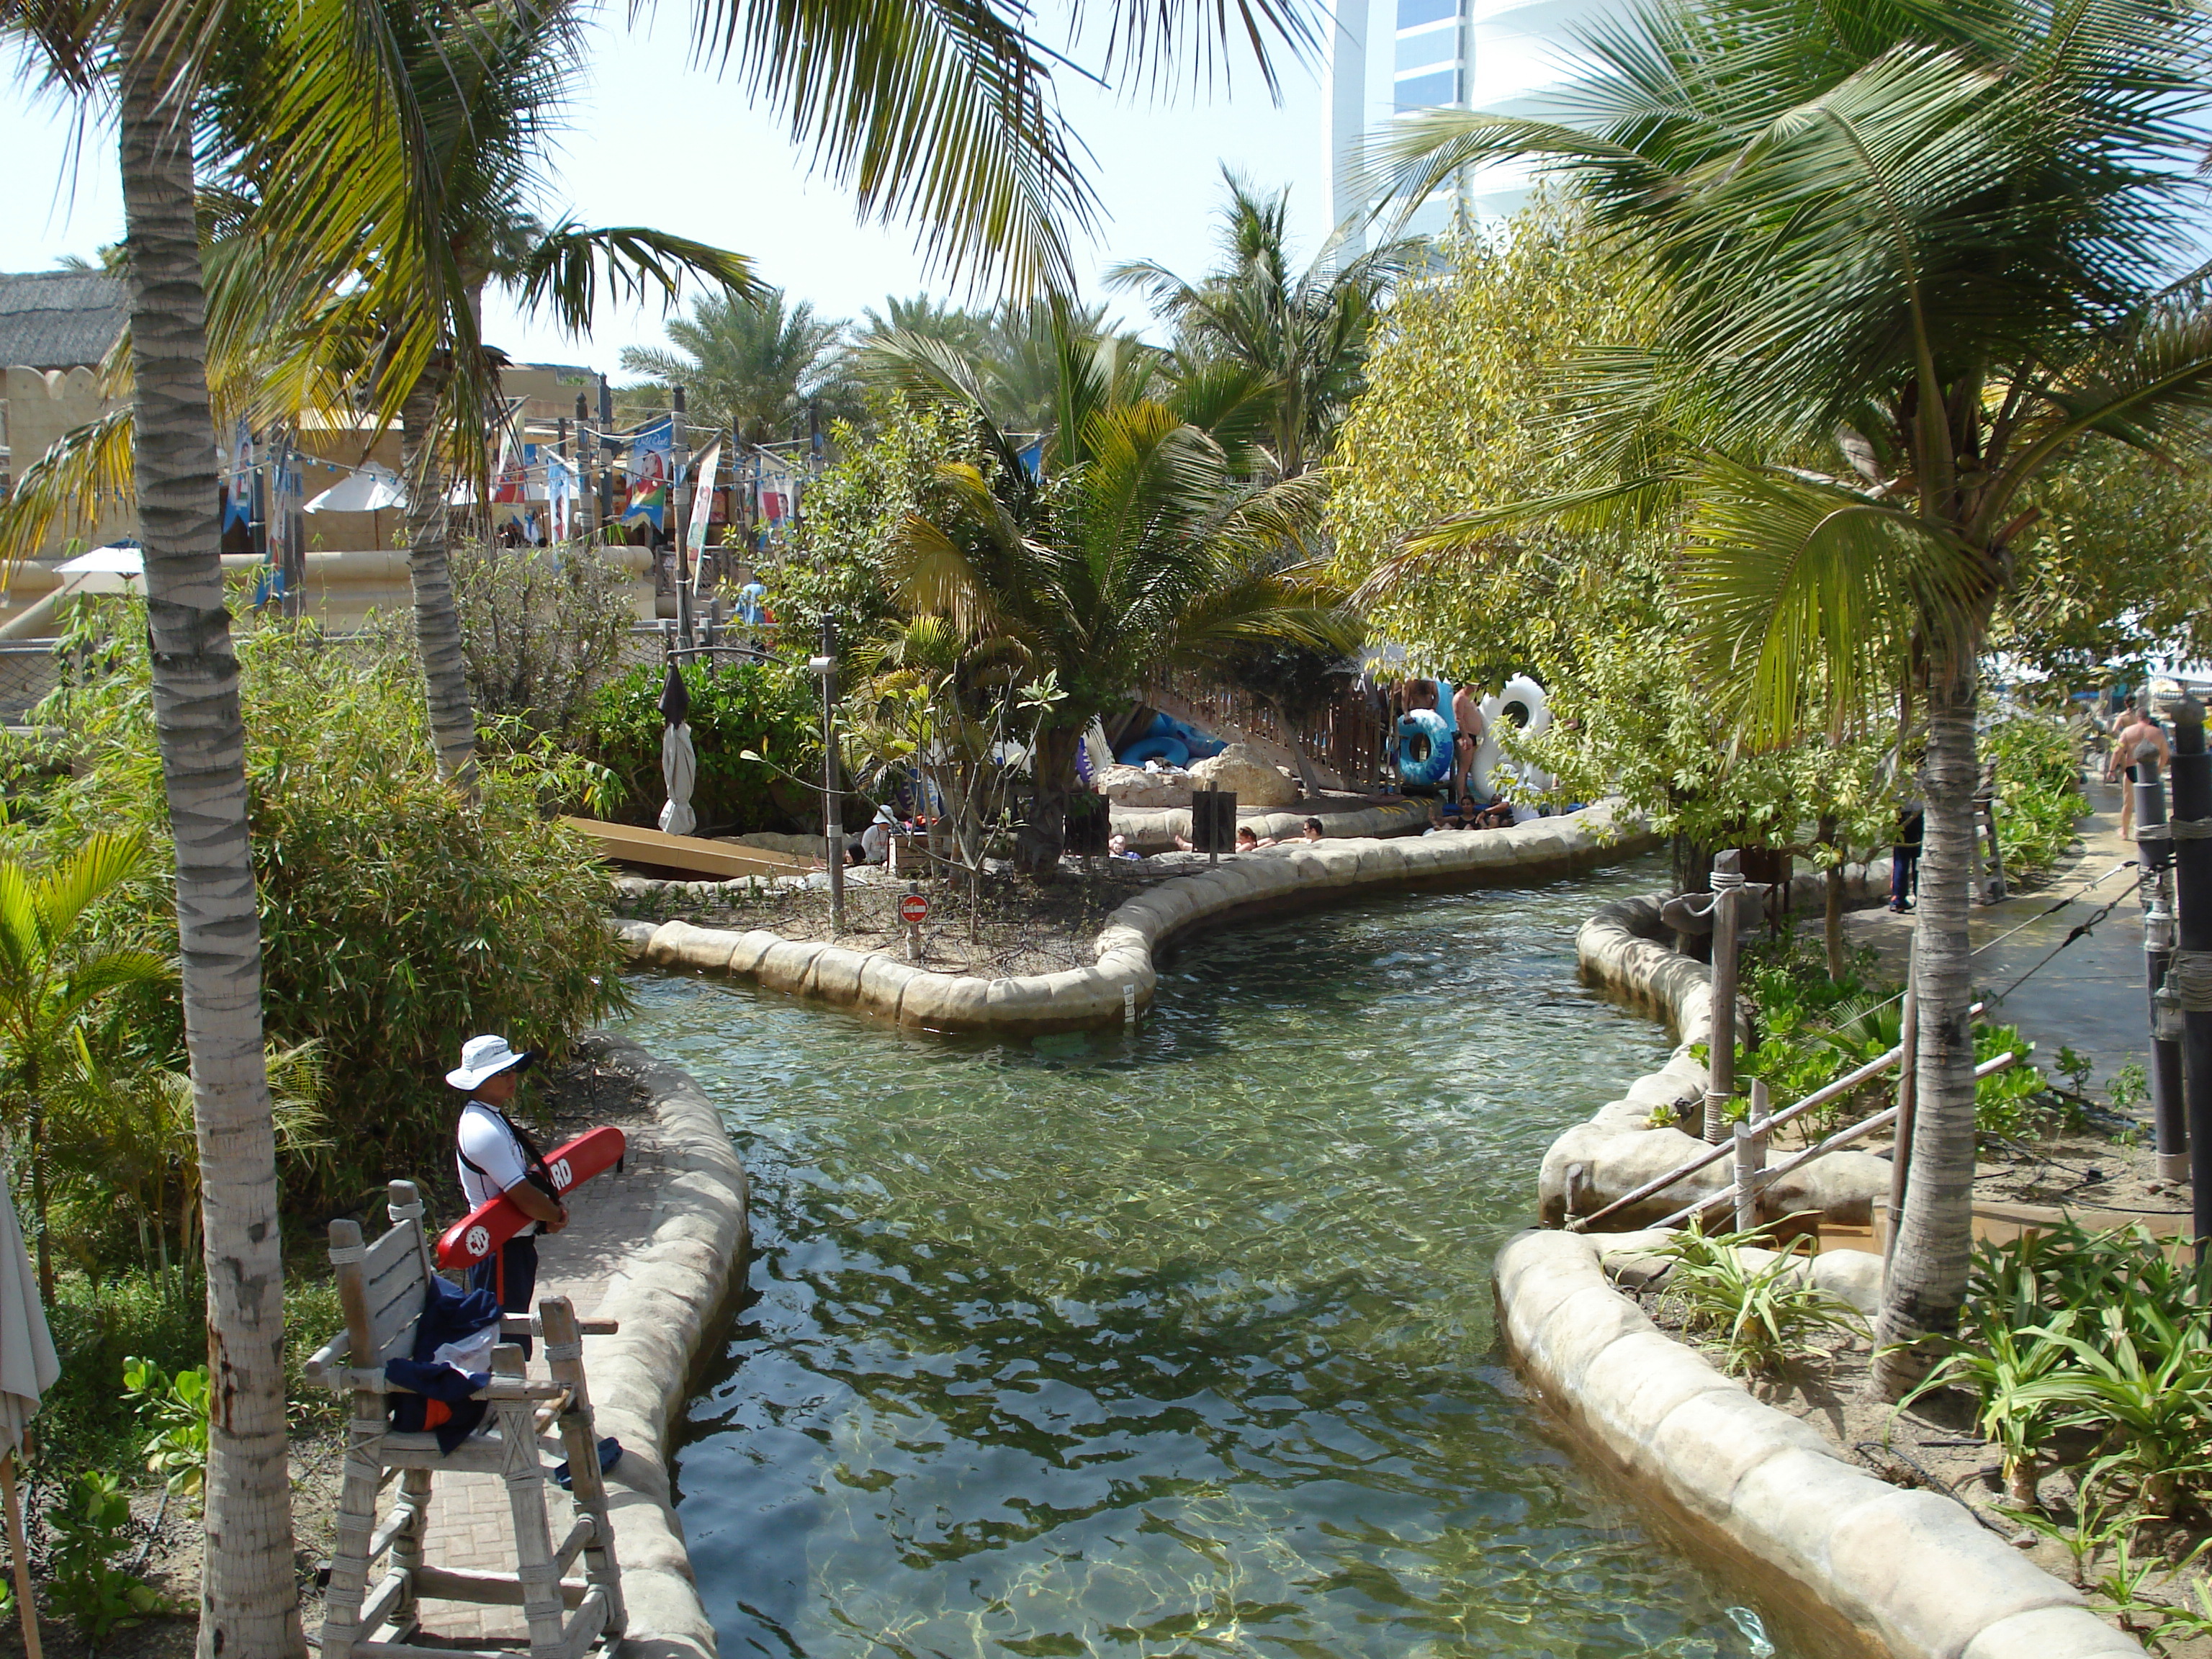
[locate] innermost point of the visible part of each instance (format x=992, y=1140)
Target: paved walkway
x=2091, y=996
x=610, y=1220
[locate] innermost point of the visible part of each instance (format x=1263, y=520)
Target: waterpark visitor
x=495, y=1157
x=1498, y=815
x=2138, y=735
x=1309, y=830
x=1248, y=839
x=876, y=839
x=1467, y=716
x=1117, y=846
x=1905, y=856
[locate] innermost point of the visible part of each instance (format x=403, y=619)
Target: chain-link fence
x=28, y=670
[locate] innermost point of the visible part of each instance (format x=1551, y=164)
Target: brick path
x=610, y=1220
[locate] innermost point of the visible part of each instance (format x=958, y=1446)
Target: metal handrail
x=1820, y=1096
x=1835, y=1142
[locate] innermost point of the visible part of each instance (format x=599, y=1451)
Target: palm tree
x=1924, y=254
x=932, y=110
x=1305, y=331
x=1133, y=547
x=755, y=363
x=1010, y=360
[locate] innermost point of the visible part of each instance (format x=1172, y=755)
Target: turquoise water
x=1176, y=1344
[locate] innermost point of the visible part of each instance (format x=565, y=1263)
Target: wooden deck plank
x=630, y=843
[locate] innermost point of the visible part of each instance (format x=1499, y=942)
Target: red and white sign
x=914, y=908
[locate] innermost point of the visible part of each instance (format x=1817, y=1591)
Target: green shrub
x=2039, y=796
x=173, y=1412
x=542, y=629
x=90, y=1526
x=1763, y=1314
x=397, y=918
x=763, y=707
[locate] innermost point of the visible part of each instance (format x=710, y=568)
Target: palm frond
x=90, y=471
x=563, y=271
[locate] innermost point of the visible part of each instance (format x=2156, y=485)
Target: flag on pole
x=561, y=493
x=703, y=504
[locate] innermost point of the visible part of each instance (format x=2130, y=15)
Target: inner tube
x=1523, y=703
x=1172, y=751
x=1425, y=748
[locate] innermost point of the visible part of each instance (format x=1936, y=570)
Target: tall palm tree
x=1923, y=252
x=755, y=363
x=932, y=110
x=1304, y=330
x=1133, y=546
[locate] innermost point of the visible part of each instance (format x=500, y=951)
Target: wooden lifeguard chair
x=381, y=1287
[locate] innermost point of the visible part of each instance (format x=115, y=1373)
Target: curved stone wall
x=1123, y=979
x=1626, y=948
x=1877, y=1569
x=667, y=1301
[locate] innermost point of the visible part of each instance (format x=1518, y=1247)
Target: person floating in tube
x=495, y=1157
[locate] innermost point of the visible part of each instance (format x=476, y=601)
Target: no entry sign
x=914, y=907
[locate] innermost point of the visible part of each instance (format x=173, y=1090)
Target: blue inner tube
x=1172, y=750
x=1425, y=747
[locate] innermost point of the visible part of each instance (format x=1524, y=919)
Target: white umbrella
x=372, y=490
x=110, y=569
x=679, y=770
x=29, y=1367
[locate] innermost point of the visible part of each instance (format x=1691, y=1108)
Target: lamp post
x=833, y=810
x=2155, y=847
x=2191, y=971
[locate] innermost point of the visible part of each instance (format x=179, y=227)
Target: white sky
x=655, y=142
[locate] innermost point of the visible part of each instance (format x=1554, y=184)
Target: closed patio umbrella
x=679, y=761
x=29, y=1367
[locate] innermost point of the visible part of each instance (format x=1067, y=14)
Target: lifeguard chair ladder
x=381, y=1287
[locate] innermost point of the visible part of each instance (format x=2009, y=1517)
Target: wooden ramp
x=698, y=860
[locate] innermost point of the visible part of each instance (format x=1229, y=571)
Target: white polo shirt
x=486, y=1139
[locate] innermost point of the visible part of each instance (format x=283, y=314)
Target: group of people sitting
x=1249, y=840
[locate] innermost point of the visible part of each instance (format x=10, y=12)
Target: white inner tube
x=1522, y=702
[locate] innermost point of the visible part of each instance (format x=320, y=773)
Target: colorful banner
x=561, y=493
x=238, y=485
x=649, y=450
x=703, y=504
x=775, y=492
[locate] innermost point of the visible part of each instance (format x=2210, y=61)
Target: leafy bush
x=397, y=918
x=90, y=1526
x=1764, y=1314
x=2039, y=795
x=542, y=628
x=173, y=1410
x=763, y=707
x=2104, y=1332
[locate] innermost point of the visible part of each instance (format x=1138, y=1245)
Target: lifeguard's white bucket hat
x=483, y=1057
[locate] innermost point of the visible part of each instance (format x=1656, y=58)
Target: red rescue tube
x=476, y=1234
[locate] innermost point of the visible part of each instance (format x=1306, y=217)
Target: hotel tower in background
x=1388, y=56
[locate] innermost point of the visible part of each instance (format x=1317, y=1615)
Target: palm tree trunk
x=249, y=1609
x=1926, y=1282
x=437, y=623
x=1052, y=772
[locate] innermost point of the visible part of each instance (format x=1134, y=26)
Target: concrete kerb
x=1628, y=950
x=668, y=1300
x=1871, y=1569
x=1267, y=881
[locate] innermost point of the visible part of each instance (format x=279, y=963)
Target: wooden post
x=525, y=1504
x=565, y=1357
x=1720, y=1059
x=1750, y=1159
x=364, y=1468
x=19, y=1551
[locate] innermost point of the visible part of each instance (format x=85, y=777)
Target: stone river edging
x=668, y=1299
x=1123, y=979
x=1626, y=948
x=1883, y=1570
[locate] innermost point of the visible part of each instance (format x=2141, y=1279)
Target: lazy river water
x=1179, y=1344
